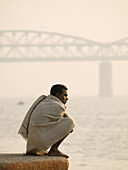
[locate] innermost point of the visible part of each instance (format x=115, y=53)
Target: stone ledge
x=28, y=162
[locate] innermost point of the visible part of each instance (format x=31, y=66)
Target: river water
x=99, y=140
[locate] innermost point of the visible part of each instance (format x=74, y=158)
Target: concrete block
x=29, y=162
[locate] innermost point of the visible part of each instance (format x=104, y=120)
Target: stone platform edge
x=10, y=161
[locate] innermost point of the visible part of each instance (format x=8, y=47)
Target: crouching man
x=47, y=124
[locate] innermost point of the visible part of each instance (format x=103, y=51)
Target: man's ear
x=57, y=94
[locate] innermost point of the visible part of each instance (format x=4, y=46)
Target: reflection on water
x=99, y=140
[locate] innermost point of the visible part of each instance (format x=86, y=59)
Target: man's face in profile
x=63, y=97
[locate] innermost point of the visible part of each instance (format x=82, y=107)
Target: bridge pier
x=105, y=79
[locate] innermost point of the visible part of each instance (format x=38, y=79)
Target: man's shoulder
x=54, y=101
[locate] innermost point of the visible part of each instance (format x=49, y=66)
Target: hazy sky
x=98, y=20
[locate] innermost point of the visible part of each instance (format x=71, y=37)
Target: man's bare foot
x=46, y=152
x=57, y=153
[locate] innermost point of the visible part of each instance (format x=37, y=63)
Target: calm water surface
x=99, y=140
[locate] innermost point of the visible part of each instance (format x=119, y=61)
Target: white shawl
x=45, y=124
x=24, y=127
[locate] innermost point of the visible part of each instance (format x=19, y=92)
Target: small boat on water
x=20, y=103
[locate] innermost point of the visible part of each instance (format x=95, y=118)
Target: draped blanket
x=45, y=124
x=24, y=127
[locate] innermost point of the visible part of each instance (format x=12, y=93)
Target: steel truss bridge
x=18, y=45
x=25, y=46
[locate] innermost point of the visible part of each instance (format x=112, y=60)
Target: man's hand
x=65, y=115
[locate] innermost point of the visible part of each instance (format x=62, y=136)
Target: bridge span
x=21, y=45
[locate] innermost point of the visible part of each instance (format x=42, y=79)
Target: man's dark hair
x=57, y=88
